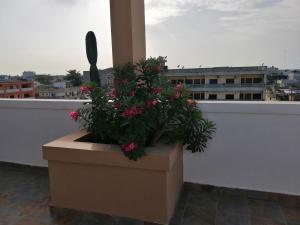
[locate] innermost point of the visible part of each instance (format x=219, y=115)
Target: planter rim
x=66, y=149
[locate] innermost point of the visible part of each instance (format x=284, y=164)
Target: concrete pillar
x=127, y=31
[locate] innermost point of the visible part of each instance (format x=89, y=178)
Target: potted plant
x=127, y=161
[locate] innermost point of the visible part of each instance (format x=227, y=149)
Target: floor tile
x=292, y=214
x=258, y=195
x=198, y=216
x=227, y=218
x=259, y=221
x=202, y=200
x=265, y=210
x=233, y=204
x=126, y=221
x=24, y=200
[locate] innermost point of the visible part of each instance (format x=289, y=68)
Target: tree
x=75, y=77
x=43, y=79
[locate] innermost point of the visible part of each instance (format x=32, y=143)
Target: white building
x=61, y=84
x=29, y=75
x=223, y=83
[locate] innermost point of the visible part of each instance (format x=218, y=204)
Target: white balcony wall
x=256, y=146
x=27, y=124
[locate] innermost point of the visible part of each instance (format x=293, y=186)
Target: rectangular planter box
x=99, y=178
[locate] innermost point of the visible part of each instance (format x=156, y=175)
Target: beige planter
x=99, y=178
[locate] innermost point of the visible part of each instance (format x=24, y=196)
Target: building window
x=212, y=96
x=248, y=80
x=189, y=82
x=197, y=96
x=180, y=81
x=243, y=80
x=26, y=96
x=202, y=96
x=12, y=96
x=257, y=97
x=202, y=81
x=241, y=96
x=248, y=96
x=257, y=80
x=213, y=81
x=230, y=81
x=229, y=97
x=197, y=81
x=173, y=81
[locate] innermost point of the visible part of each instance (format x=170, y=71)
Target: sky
x=48, y=36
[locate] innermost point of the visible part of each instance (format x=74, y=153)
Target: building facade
x=223, y=83
x=106, y=77
x=294, y=75
x=17, y=89
x=29, y=75
x=49, y=92
x=4, y=78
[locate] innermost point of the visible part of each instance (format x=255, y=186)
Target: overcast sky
x=48, y=36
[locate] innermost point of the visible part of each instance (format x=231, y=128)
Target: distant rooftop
x=220, y=69
x=15, y=81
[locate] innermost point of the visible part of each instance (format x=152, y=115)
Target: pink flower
x=131, y=112
x=129, y=147
x=190, y=102
x=74, y=115
x=157, y=90
x=178, y=87
x=84, y=89
x=151, y=103
x=174, y=96
x=112, y=93
x=117, y=106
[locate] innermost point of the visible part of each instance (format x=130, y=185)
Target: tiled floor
x=24, y=200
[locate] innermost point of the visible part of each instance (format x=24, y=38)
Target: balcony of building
x=227, y=87
x=27, y=89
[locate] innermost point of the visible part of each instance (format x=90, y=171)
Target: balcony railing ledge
x=55, y=104
x=235, y=107
x=250, y=107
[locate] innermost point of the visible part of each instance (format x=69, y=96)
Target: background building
x=223, y=83
x=106, y=77
x=294, y=75
x=50, y=92
x=17, y=89
x=29, y=75
x=4, y=78
x=284, y=85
